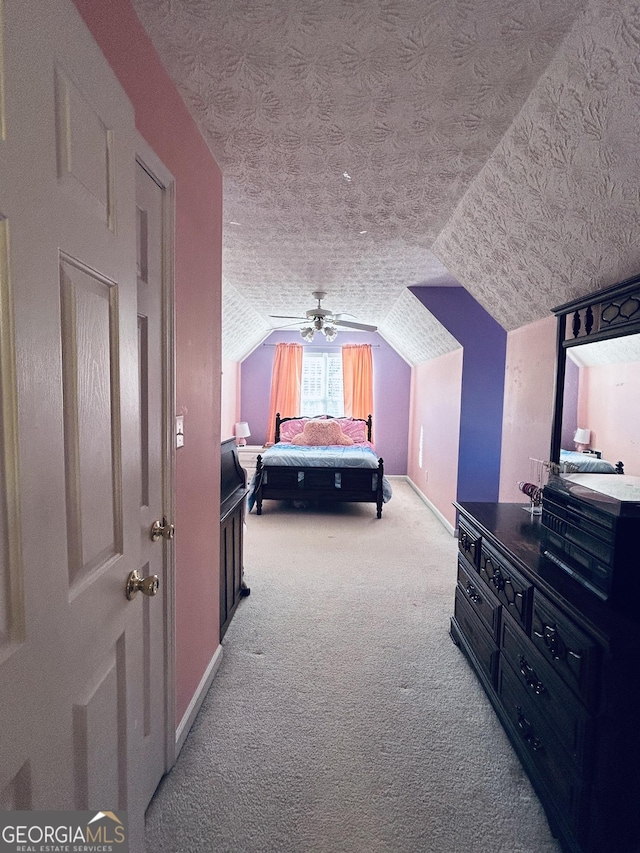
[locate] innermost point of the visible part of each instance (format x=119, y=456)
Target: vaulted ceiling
x=370, y=145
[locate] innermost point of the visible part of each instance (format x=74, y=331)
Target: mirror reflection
x=601, y=406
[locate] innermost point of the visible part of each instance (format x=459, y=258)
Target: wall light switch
x=180, y=431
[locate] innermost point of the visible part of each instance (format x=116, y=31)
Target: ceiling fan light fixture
x=307, y=333
x=322, y=320
x=330, y=333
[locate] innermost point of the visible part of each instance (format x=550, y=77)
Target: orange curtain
x=285, y=385
x=357, y=376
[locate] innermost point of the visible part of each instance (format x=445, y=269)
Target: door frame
x=151, y=163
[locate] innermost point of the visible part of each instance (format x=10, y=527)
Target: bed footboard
x=327, y=485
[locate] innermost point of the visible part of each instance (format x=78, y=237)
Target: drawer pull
x=472, y=592
x=467, y=545
x=557, y=649
x=531, y=678
x=551, y=640
x=527, y=731
x=498, y=580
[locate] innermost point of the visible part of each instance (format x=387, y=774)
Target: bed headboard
x=368, y=421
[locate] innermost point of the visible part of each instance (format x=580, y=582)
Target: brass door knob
x=136, y=583
x=162, y=530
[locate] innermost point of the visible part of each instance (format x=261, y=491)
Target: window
x=322, y=392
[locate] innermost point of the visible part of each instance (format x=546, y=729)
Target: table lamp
x=242, y=431
x=582, y=439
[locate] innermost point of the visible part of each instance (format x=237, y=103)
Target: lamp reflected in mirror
x=582, y=439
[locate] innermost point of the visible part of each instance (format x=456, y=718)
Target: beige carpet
x=343, y=719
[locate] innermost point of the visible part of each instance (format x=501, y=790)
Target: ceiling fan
x=320, y=319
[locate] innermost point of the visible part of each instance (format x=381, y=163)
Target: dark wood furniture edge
x=615, y=783
x=233, y=494
x=596, y=615
x=342, y=495
x=554, y=816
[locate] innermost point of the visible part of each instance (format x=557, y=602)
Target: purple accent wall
x=570, y=404
x=482, y=397
x=255, y=385
x=391, y=389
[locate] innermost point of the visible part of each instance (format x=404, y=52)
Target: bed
x=588, y=463
x=347, y=471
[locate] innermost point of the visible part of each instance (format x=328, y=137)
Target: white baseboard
x=198, y=697
x=434, y=509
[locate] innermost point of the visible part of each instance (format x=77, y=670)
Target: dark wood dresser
x=233, y=493
x=561, y=668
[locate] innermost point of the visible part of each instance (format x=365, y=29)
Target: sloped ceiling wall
x=554, y=212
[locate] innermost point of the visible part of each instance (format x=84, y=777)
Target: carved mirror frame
x=605, y=314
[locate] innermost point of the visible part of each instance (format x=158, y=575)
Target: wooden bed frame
x=318, y=484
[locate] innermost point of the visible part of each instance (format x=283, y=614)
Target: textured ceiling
x=351, y=135
x=624, y=350
x=554, y=212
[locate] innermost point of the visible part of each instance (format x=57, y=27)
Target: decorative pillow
x=289, y=429
x=356, y=430
x=316, y=433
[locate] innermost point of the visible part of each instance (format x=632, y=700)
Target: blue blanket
x=587, y=463
x=334, y=456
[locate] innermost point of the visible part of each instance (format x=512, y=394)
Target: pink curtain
x=285, y=385
x=357, y=376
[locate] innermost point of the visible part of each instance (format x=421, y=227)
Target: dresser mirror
x=597, y=403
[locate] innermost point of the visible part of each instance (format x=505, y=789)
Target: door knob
x=136, y=583
x=162, y=530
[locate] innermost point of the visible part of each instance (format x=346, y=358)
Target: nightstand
x=247, y=455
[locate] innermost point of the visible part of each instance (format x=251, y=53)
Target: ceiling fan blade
x=286, y=317
x=362, y=326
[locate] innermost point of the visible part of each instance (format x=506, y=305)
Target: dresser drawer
x=509, y=586
x=476, y=635
x=571, y=652
x=549, y=694
x=481, y=599
x=537, y=740
x=469, y=543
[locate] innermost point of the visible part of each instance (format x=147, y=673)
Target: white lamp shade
x=582, y=436
x=242, y=429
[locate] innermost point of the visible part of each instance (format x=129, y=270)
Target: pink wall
x=528, y=403
x=230, y=404
x=609, y=404
x=163, y=120
x=435, y=409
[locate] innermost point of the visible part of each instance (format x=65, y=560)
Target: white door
x=154, y=231
x=74, y=705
